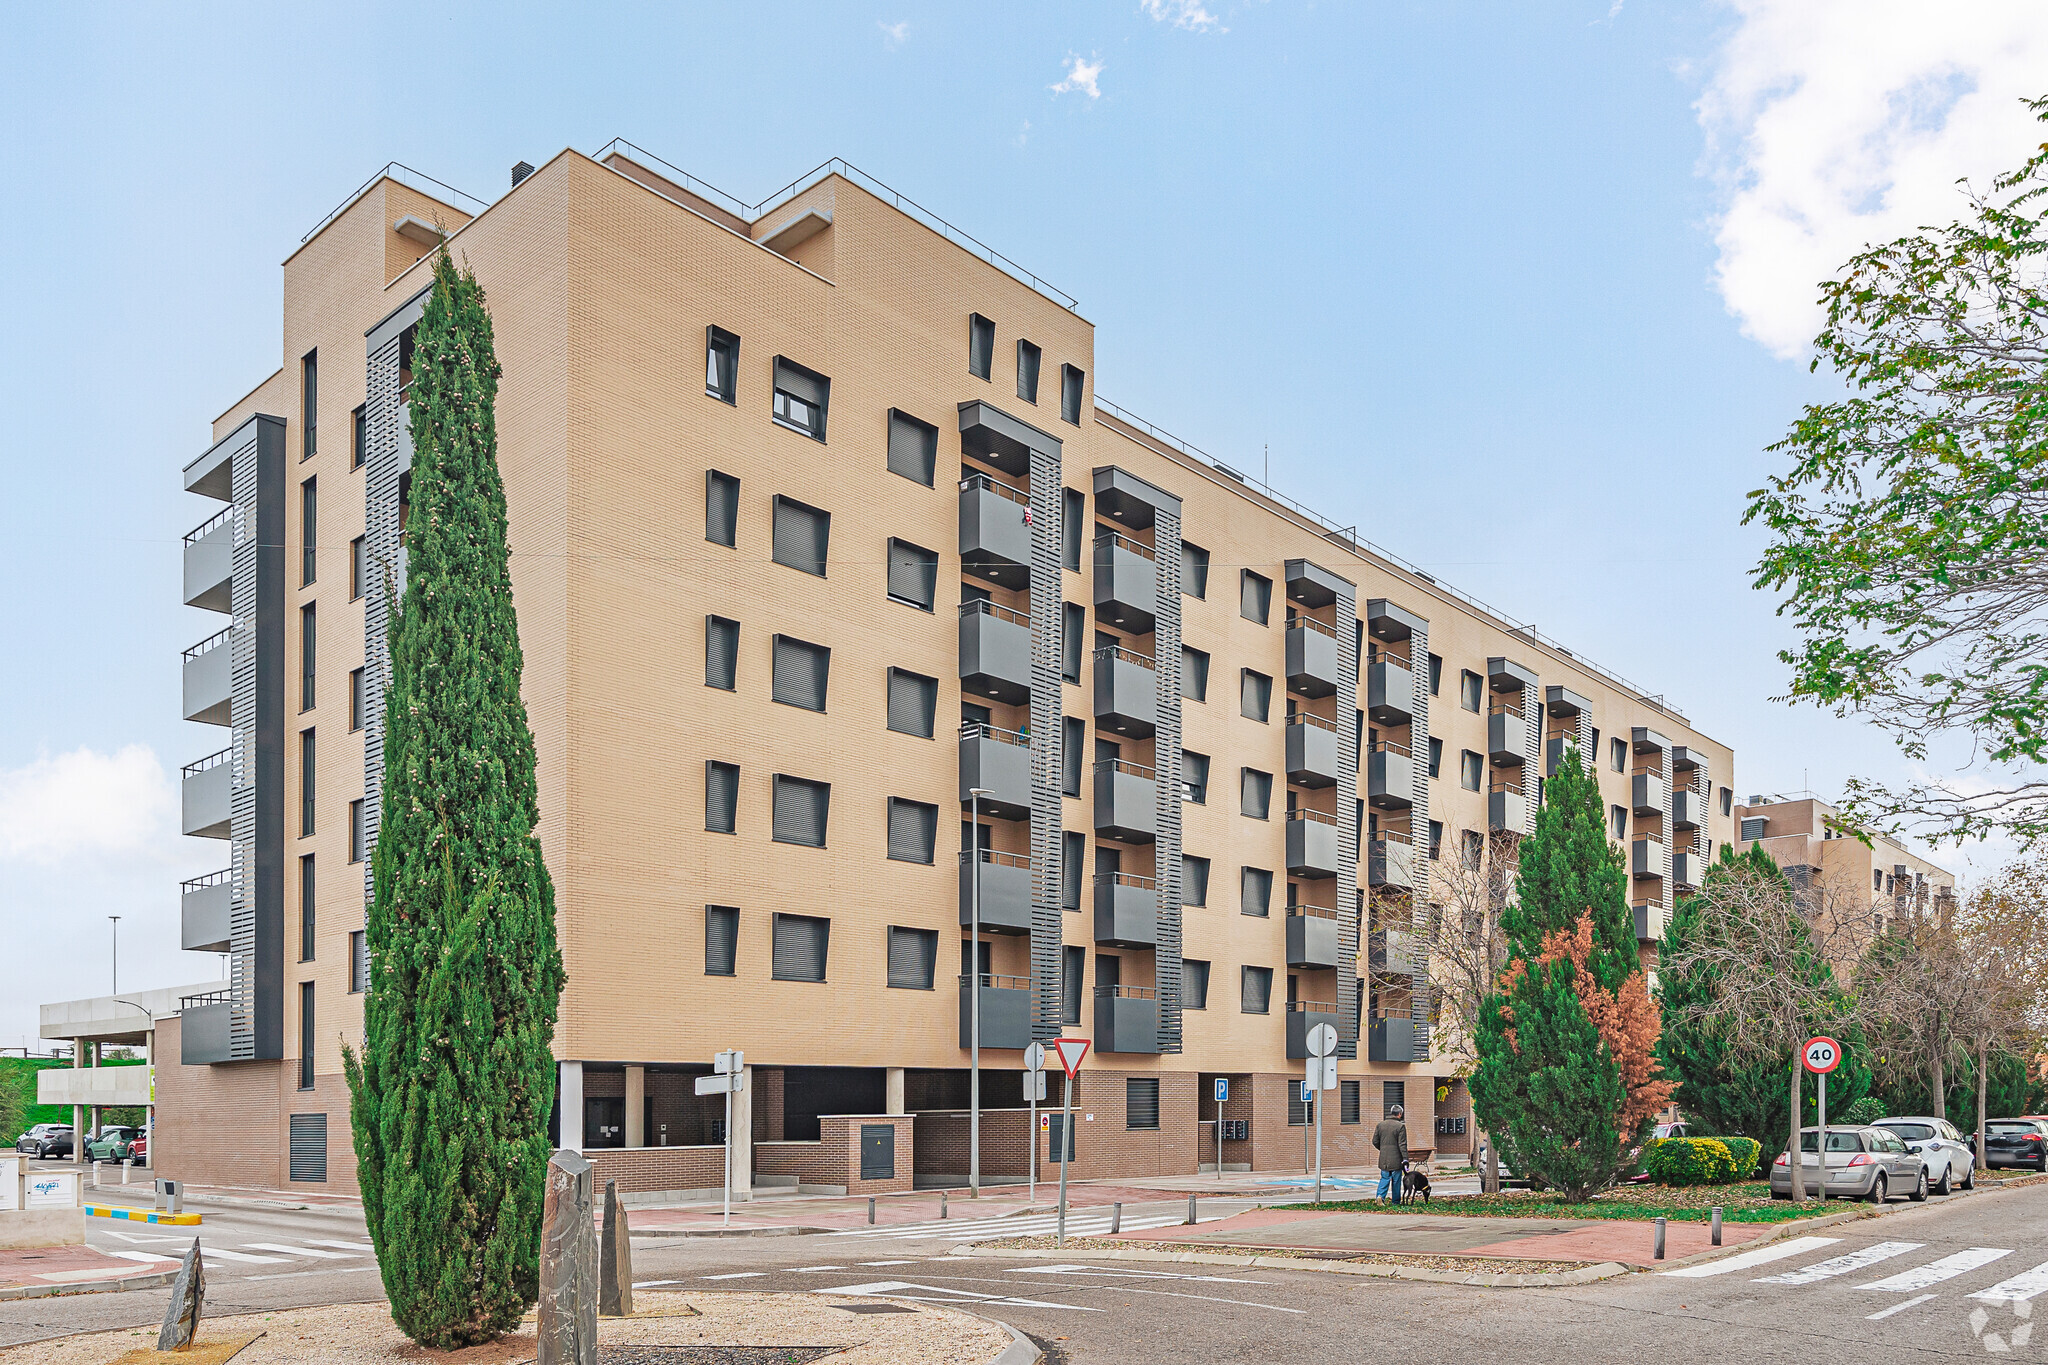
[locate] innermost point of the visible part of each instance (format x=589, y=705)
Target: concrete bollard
x=942, y=1206
x=871, y=1210
x=1717, y=1225
x=1191, y=1210
x=1657, y=1251
x=126, y=1162
x=1116, y=1218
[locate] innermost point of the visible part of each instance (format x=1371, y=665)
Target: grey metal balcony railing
x=1113, y=541
x=1127, y=1018
x=1129, y=656
x=1000, y=489
x=209, y=644
x=211, y=761
x=211, y=524
x=211, y=879
x=983, y=607
x=975, y=729
x=224, y=996
x=1005, y=884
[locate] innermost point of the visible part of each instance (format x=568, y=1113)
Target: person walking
x=1390, y=1139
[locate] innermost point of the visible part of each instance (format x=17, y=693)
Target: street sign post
x=1321, y=1075
x=1821, y=1055
x=728, y=1075
x=1034, y=1091
x=1070, y=1051
x=1222, y=1094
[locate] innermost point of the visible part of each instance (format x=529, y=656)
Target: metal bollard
x=1717, y=1225
x=126, y=1162
x=1191, y=1210
x=942, y=1205
x=95, y=1175
x=1657, y=1253
x=1116, y=1218
x=871, y=1210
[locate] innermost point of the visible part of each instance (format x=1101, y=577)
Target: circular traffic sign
x=1821, y=1055
x=1322, y=1041
x=1034, y=1057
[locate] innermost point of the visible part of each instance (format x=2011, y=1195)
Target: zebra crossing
x=310, y=1251
x=1839, y=1270
x=1091, y=1224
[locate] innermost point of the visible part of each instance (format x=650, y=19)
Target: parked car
x=2016, y=1142
x=45, y=1140
x=118, y=1142
x=1949, y=1160
x=1862, y=1162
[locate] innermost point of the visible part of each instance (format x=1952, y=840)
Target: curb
x=1021, y=1350
x=53, y=1291
x=140, y=1215
x=726, y=1232
x=1476, y=1279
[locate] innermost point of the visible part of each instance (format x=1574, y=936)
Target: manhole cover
x=712, y=1355
x=873, y=1308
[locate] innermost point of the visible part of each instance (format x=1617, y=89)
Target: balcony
x=1303, y=1015
x=1312, y=844
x=1126, y=910
x=1312, y=665
x=998, y=761
x=1685, y=760
x=1688, y=810
x=1390, y=861
x=1312, y=745
x=995, y=532
x=209, y=679
x=1386, y=622
x=1647, y=741
x=1126, y=1019
x=1126, y=801
x=1650, y=921
x=1507, y=735
x=205, y=909
x=1688, y=868
x=1505, y=675
x=1507, y=807
x=1646, y=858
x=1391, y=1038
x=1311, y=937
x=1126, y=692
x=1312, y=585
x=208, y=789
x=1647, y=793
x=1389, y=688
x=210, y=563
x=1563, y=703
x=1005, y=1011
x=1126, y=583
x=1390, y=776
x=1391, y=952
x=205, y=1028
x=995, y=652
x=1005, y=892
x=1554, y=750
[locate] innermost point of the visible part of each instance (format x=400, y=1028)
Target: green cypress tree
x=1567, y=867
x=454, y=1085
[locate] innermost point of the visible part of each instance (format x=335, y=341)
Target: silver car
x=1863, y=1162
x=1949, y=1161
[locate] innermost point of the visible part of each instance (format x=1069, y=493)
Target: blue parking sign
x=1222, y=1089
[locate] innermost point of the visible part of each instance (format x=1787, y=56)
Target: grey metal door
x=878, y=1151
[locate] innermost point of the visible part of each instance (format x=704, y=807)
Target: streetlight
x=117, y=952
x=974, y=795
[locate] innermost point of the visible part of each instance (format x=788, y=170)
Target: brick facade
x=645, y=1170
x=834, y=1159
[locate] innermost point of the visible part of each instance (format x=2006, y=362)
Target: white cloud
x=1024, y=133
x=1082, y=75
x=83, y=803
x=1835, y=123
x=1187, y=14
x=893, y=34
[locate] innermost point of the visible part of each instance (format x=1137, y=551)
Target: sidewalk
x=35, y=1271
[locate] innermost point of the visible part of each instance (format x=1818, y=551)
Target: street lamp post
x=117, y=952
x=974, y=795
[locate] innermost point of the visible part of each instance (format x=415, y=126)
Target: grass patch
x=1748, y=1202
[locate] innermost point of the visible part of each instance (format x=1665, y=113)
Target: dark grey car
x=2016, y=1142
x=1863, y=1162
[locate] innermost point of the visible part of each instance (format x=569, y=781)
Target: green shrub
x=1746, y=1151
x=1869, y=1109
x=1690, y=1161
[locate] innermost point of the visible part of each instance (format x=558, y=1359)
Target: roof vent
x=520, y=171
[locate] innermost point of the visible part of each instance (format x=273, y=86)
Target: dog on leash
x=1417, y=1183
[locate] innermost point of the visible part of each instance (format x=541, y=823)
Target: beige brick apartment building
x=817, y=527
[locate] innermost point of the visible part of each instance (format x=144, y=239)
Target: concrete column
x=149, y=1114
x=743, y=1140
x=572, y=1106
x=77, y=1110
x=636, y=1106
x=892, y=1090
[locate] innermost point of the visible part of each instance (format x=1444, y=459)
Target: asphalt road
x=1946, y=1280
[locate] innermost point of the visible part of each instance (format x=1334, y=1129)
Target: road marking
x=1842, y=1265
x=142, y=1256
x=1897, y=1307
x=345, y=1246
x=885, y=1262
x=2018, y=1289
x=1037, y=1225
x=896, y=1289
x=303, y=1251
x=1128, y=1273
x=1934, y=1272
x=1761, y=1256
x=813, y=1269
x=738, y=1275
x=323, y=1270
x=216, y=1254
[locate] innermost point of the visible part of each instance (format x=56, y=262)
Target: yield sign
x=1070, y=1051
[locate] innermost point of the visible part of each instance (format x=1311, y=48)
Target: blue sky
x=1544, y=271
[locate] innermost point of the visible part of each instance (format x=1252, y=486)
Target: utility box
x=39, y=1208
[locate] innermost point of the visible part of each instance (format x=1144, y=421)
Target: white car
x=1947, y=1158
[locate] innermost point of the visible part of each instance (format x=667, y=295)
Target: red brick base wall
x=834, y=1159
x=642, y=1170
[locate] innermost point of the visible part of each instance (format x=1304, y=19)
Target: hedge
x=1691, y=1161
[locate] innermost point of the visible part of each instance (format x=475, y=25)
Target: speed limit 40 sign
x=1822, y=1055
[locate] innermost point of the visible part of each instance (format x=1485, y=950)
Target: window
x=355, y=830
x=358, y=961
x=913, y=830
x=1194, y=570
x=1473, y=850
x=1255, y=597
x=306, y=1034
x=1073, y=625
x=1617, y=754
x=1593, y=754
x=1073, y=860
x=1141, y=1101
x=1194, y=674
x=1300, y=1112
x=801, y=673
x=1194, y=777
x=1071, y=381
x=913, y=448
x=1027, y=370
x=1436, y=675
x=1255, y=892
x=357, y=565
x=722, y=510
x=1617, y=822
x=305, y=783
x=1469, y=768
x=1073, y=523
x=721, y=365
x=308, y=639
x=309, y=403
x=359, y=442
x=803, y=535
x=355, y=699
x=721, y=652
x=1073, y=962
x=981, y=345
x=1347, y=1101
x=1727, y=801
x=1436, y=756
x=1194, y=984
x=913, y=703
x=1073, y=734
x=721, y=797
x=307, y=907
x=801, y=396
x=913, y=575
x=913, y=957
x=721, y=940
x=802, y=808
x=1393, y=1094
x=1256, y=990
x=1194, y=880
x=800, y=947
x=309, y=531
x=1468, y=689
x=1257, y=794
x=1254, y=695
x=1436, y=840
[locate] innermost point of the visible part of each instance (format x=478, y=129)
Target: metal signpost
x=728, y=1075
x=1222, y=1094
x=1070, y=1051
x=1821, y=1055
x=1322, y=1075
x=1034, y=1091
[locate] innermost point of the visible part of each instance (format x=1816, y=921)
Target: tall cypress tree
x=1568, y=867
x=454, y=1085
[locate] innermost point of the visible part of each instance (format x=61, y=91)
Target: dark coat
x=1391, y=1139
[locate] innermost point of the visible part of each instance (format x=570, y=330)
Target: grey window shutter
x=800, y=943
x=1073, y=962
x=1257, y=891
x=798, y=382
x=913, y=829
x=913, y=574
x=981, y=345
x=359, y=963
x=801, y=811
x=1073, y=523
x=913, y=954
x=1194, y=674
x=1258, y=793
x=802, y=672
x=1255, y=597
x=721, y=797
x=1028, y=357
x=803, y=535
x=1255, y=695
x=721, y=652
x=1194, y=984
x=1073, y=624
x=309, y=1147
x=1194, y=570
x=913, y=447
x=1070, y=394
x=1258, y=989
x=1195, y=776
x=1194, y=880
x=1347, y=1102
x=721, y=508
x=1073, y=735
x=721, y=939
x=1141, y=1102
x=913, y=702
x=1073, y=853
